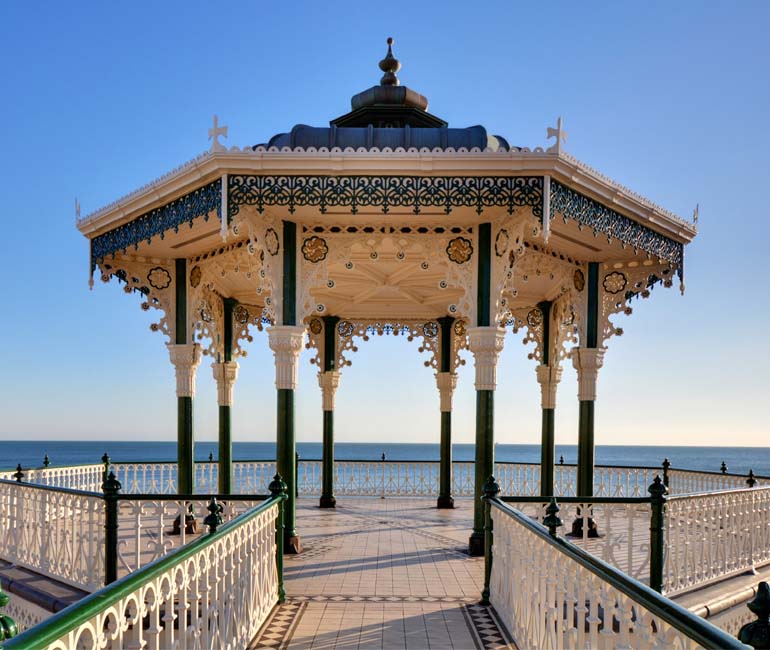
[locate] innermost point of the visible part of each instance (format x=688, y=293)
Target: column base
x=327, y=502
x=292, y=545
x=577, y=528
x=445, y=502
x=476, y=544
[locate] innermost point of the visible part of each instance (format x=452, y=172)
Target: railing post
x=657, y=506
x=106, y=463
x=666, y=467
x=723, y=468
x=552, y=520
x=214, y=518
x=757, y=633
x=491, y=490
x=296, y=473
x=382, y=496
x=278, y=488
x=46, y=461
x=751, y=481
x=110, y=488
x=8, y=627
x=18, y=474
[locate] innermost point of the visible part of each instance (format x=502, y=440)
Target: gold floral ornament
x=195, y=276
x=501, y=242
x=159, y=278
x=316, y=327
x=271, y=241
x=459, y=250
x=614, y=282
x=314, y=249
x=535, y=318
x=460, y=328
x=579, y=280
x=430, y=329
x=241, y=314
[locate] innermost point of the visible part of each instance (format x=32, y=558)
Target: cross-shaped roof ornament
x=695, y=214
x=559, y=134
x=214, y=133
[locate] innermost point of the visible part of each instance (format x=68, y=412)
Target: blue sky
x=670, y=99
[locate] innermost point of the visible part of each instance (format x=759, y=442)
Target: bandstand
x=388, y=221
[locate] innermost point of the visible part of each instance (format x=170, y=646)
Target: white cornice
x=210, y=166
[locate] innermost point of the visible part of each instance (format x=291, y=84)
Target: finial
x=390, y=66
x=551, y=519
x=723, y=468
x=46, y=461
x=695, y=214
x=751, y=481
x=214, y=132
x=77, y=209
x=559, y=133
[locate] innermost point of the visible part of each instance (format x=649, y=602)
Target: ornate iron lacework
x=587, y=212
x=156, y=222
x=386, y=192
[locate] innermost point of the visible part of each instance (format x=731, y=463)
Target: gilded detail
x=459, y=250
x=535, y=318
x=241, y=314
x=314, y=249
x=614, y=282
x=316, y=326
x=271, y=241
x=579, y=280
x=159, y=278
x=501, y=242
x=430, y=329
x=195, y=277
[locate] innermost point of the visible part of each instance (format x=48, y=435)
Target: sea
x=61, y=452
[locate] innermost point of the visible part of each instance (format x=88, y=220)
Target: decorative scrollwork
x=159, y=278
x=314, y=249
x=614, y=282
x=459, y=250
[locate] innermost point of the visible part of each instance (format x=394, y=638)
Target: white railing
x=550, y=594
x=75, y=477
x=682, y=481
x=712, y=536
x=56, y=532
x=25, y=614
x=214, y=593
x=623, y=527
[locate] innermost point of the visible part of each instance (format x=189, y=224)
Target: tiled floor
x=383, y=573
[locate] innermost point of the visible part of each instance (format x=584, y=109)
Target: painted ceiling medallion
x=271, y=241
x=195, y=277
x=316, y=327
x=241, y=314
x=579, y=280
x=614, y=282
x=535, y=318
x=501, y=242
x=459, y=250
x=314, y=249
x=159, y=278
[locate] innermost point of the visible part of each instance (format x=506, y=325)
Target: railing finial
x=751, y=481
x=757, y=633
x=111, y=485
x=277, y=486
x=18, y=474
x=214, y=518
x=491, y=488
x=8, y=627
x=723, y=468
x=666, y=466
x=552, y=520
x=46, y=461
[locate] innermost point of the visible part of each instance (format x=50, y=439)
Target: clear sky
x=670, y=99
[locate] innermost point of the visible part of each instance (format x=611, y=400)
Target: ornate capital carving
x=329, y=382
x=587, y=362
x=486, y=343
x=446, y=382
x=186, y=357
x=548, y=377
x=225, y=374
x=286, y=342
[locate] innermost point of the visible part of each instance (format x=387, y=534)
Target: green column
x=585, y=460
x=329, y=365
x=547, y=449
x=185, y=440
x=225, y=463
x=485, y=462
x=445, y=499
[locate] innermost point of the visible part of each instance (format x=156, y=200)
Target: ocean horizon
x=75, y=452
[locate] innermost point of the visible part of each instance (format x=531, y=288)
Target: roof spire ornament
x=390, y=65
x=559, y=134
x=695, y=214
x=214, y=132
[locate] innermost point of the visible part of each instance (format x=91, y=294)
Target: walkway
x=383, y=573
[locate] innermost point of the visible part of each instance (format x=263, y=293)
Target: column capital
x=486, y=343
x=225, y=374
x=587, y=362
x=328, y=382
x=185, y=357
x=286, y=342
x=548, y=377
x=446, y=383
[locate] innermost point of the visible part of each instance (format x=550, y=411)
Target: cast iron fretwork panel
x=601, y=219
x=386, y=192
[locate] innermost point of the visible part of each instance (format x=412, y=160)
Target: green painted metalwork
x=547, y=453
x=592, y=315
x=8, y=627
x=225, y=462
x=585, y=459
x=289, y=295
x=484, y=275
x=110, y=488
x=328, y=499
x=214, y=519
x=60, y=624
x=286, y=452
x=185, y=445
x=552, y=521
x=657, y=541
x=278, y=489
x=491, y=490
x=485, y=463
x=757, y=633
x=445, y=499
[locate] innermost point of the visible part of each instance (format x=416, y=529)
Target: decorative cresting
x=444, y=254
x=152, y=279
x=446, y=382
x=225, y=375
x=486, y=343
x=328, y=382
x=286, y=342
x=386, y=192
x=587, y=362
x=185, y=357
x=548, y=377
x=601, y=219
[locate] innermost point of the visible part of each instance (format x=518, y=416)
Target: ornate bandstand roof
x=388, y=202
